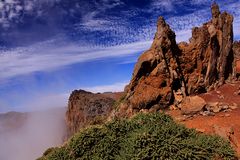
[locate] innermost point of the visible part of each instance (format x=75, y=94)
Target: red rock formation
x=236, y=52
x=236, y=49
x=209, y=53
x=169, y=69
x=85, y=106
x=157, y=72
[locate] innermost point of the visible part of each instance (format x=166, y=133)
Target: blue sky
x=50, y=47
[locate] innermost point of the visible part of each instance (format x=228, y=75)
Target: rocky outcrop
x=84, y=107
x=157, y=73
x=207, y=60
x=168, y=71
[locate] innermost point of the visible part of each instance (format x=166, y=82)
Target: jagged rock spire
x=157, y=72
x=215, y=10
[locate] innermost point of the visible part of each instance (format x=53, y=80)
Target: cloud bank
x=38, y=132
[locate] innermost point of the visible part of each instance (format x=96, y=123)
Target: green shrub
x=145, y=136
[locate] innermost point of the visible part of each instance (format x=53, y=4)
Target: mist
x=28, y=139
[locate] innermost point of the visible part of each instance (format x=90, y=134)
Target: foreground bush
x=146, y=136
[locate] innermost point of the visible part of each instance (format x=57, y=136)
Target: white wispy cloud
x=183, y=35
x=116, y=87
x=233, y=8
x=27, y=60
x=9, y=10
x=182, y=24
x=41, y=58
x=166, y=5
x=236, y=29
x=89, y=17
x=47, y=100
x=13, y=11
x=197, y=2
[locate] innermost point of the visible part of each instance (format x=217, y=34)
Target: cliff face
x=168, y=71
x=84, y=107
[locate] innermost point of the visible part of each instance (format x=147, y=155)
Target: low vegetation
x=145, y=136
x=118, y=102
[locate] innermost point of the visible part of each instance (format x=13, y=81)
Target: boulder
x=192, y=105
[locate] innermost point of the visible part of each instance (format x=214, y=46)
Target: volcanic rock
x=236, y=52
x=236, y=49
x=157, y=73
x=168, y=71
x=219, y=106
x=192, y=105
x=83, y=107
x=233, y=106
x=209, y=55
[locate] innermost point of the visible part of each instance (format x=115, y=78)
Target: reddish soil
x=225, y=124
x=224, y=94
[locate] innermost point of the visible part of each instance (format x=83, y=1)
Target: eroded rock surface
x=157, y=73
x=84, y=106
x=168, y=71
x=236, y=52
